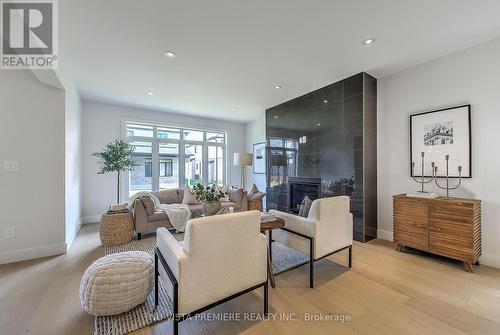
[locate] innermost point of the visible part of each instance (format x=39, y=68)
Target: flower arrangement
x=208, y=194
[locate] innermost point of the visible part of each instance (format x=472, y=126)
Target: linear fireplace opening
x=299, y=188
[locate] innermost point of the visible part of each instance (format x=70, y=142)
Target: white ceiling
x=233, y=53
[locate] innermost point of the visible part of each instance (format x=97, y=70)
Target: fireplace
x=299, y=188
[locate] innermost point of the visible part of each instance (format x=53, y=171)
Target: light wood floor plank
x=386, y=292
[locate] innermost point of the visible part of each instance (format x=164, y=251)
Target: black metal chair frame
x=179, y=318
x=311, y=254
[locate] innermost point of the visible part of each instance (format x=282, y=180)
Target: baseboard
x=384, y=234
x=91, y=219
x=32, y=253
x=492, y=260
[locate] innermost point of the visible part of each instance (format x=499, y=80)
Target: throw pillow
x=148, y=204
x=253, y=190
x=189, y=197
x=305, y=207
x=236, y=195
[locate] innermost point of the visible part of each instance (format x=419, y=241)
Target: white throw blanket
x=178, y=214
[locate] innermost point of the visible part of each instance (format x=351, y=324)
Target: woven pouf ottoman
x=116, y=283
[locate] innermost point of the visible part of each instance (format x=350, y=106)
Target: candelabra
x=448, y=188
x=422, y=180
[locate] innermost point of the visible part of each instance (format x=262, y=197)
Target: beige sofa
x=146, y=219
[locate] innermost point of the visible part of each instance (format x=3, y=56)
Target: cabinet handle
x=435, y=229
x=421, y=226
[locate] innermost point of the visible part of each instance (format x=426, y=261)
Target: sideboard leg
x=468, y=267
x=477, y=263
x=398, y=247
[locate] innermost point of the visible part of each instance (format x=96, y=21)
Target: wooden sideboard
x=449, y=227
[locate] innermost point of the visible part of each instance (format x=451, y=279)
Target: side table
x=116, y=229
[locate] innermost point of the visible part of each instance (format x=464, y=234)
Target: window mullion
x=155, y=181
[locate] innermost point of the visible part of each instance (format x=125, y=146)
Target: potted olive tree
x=210, y=197
x=116, y=157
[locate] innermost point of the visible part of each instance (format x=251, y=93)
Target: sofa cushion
x=236, y=195
x=168, y=196
x=189, y=198
x=158, y=216
x=148, y=204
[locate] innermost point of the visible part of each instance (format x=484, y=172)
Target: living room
x=265, y=167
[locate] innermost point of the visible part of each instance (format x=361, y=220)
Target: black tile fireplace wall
x=331, y=134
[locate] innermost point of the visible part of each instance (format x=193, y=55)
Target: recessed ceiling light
x=325, y=101
x=277, y=87
x=318, y=124
x=170, y=54
x=233, y=108
x=276, y=116
x=368, y=41
x=151, y=93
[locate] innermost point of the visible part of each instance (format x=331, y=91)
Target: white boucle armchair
x=222, y=257
x=326, y=230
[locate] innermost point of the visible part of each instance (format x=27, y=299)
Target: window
x=140, y=179
x=193, y=156
x=166, y=168
x=148, y=169
x=170, y=157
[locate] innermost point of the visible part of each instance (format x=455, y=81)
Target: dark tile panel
x=337, y=121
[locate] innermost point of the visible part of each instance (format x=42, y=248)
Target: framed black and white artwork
x=259, y=158
x=437, y=134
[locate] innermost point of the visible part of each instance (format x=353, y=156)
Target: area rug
x=146, y=314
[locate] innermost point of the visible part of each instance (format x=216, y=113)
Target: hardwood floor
x=386, y=292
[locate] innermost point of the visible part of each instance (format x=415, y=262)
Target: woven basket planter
x=116, y=229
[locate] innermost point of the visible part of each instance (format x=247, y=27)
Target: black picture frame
x=468, y=170
x=259, y=161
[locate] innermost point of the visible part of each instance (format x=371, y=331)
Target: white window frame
x=181, y=145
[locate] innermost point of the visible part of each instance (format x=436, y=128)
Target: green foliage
x=209, y=193
x=116, y=157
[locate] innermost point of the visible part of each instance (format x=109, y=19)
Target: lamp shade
x=242, y=159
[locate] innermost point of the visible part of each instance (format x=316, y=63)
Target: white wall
x=103, y=123
x=256, y=133
x=73, y=163
x=31, y=200
x=471, y=76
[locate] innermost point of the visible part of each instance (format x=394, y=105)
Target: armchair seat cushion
x=296, y=223
x=329, y=223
